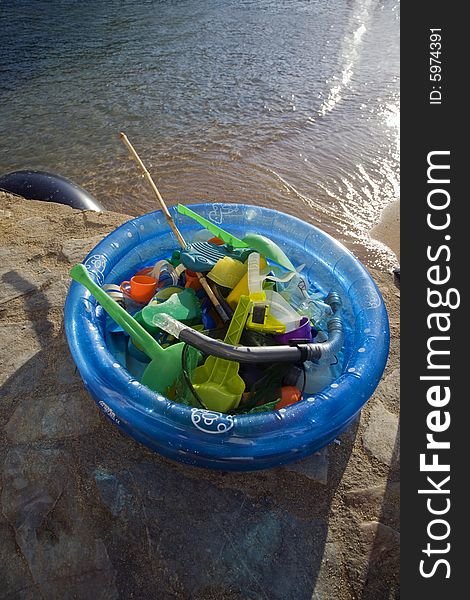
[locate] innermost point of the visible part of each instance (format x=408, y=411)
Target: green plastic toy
x=217, y=381
x=258, y=242
x=225, y=236
x=165, y=365
x=183, y=306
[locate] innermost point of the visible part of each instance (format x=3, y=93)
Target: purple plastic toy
x=302, y=333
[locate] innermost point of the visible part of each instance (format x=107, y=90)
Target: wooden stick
x=212, y=297
x=147, y=175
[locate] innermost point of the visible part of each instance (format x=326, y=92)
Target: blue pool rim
x=207, y=438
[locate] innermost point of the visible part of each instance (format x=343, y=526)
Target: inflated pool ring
x=212, y=439
x=39, y=185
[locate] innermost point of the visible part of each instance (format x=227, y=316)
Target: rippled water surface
x=288, y=104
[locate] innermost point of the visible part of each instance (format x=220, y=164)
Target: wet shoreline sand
x=387, y=230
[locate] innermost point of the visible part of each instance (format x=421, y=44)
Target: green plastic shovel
x=258, y=242
x=217, y=381
x=165, y=365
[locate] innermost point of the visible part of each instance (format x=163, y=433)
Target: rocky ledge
x=86, y=512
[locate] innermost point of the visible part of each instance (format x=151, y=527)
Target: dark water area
x=287, y=104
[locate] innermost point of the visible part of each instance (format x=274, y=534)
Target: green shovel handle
x=228, y=238
x=129, y=324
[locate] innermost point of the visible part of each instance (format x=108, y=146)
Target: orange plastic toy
x=289, y=395
x=192, y=280
x=140, y=288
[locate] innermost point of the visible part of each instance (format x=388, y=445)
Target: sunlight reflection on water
x=294, y=106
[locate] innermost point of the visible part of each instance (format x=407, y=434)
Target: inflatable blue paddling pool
x=206, y=438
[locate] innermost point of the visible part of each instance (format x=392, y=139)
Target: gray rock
x=75, y=250
x=314, y=467
x=372, y=497
x=380, y=502
x=16, y=581
x=373, y=561
x=56, y=416
x=381, y=541
x=31, y=225
x=67, y=372
x=206, y=541
x=51, y=296
x=18, y=277
x=115, y=496
x=388, y=390
x=380, y=438
x=55, y=536
x=23, y=383
x=23, y=338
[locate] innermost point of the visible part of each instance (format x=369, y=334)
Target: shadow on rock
x=173, y=530
x=88, y=502
x=35, y=302
x=44, y=409
x=90, y=507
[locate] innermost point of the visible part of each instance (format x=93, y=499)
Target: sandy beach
x=387, y=230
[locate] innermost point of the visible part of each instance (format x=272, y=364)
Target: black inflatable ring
x=40, y=185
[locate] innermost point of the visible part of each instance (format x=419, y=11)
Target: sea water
x=290, y=104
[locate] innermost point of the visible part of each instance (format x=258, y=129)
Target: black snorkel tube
x=299, y=352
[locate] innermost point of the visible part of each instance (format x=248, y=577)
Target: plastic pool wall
x=206, y=438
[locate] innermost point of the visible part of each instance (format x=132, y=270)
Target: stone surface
x=207, y=540
x=51, y=296
x=86, y=512
x=314, y=467
x=388, y=391
x=23, y=338
x=55, y=416
x=75, y=250
x=381, y=435
x=377, y=502
x=330, y=581
x=5, y=214
x=57, y=540
x=67, y=373
x=369, y=570
x=17, y=277
x=14, y=574
x=382, y=541
x=30, y=225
